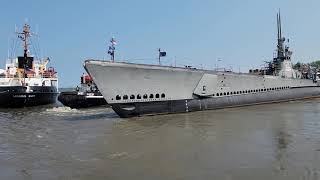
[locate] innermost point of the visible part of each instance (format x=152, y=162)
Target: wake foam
x=63, y=109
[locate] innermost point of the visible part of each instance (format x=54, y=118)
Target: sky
x=237, y=34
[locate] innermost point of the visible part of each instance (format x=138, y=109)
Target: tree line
x=315, y=65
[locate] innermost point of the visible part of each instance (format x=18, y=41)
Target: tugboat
x=87, y=95
x=26, y=81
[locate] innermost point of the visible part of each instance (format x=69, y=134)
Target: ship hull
x=127, y=110
x=139, y=89
x=74, y=100
x=19, y=96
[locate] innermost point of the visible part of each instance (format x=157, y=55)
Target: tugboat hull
x=74, y=100
x=19, y=96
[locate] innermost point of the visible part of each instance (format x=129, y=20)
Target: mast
x=24, y=35
x=283, y=52
x=281, y=40
x=112, y=48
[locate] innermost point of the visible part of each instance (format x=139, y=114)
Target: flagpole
x=159, y=56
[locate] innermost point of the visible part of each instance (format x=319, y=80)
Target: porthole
x=227, y=93
x=224, y=93
x=138, y=96
x=125, y=97
x=217, y=94
x=157, y=95
x=118, y=97
x=145, y=96
x=132, y=96
x=231, y=93
x=221, y=94
x=163, y=95
x=151, y=96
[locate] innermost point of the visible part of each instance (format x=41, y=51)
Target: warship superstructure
x=141, y=89
x=26, y=81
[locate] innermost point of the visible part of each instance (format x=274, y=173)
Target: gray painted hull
x=126, y=110
x=139, y=89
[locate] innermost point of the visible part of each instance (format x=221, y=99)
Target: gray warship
x=141, y=89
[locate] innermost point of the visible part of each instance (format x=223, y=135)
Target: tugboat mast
x=112, y=48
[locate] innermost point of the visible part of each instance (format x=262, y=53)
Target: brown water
x=277, y=141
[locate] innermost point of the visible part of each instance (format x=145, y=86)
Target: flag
x=113, y=41
x=162, y=54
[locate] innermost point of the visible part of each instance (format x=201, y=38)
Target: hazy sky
x=242, y=33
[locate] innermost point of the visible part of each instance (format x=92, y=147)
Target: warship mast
x=24, y=35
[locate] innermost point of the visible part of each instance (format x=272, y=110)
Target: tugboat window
x=118, y=97
x=151, y=96
x=145, y=96
x=157, y=95
x=138, y=96
x=132, y=96
x=163, y=95
x=125, y=97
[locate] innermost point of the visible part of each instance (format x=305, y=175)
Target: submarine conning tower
x=283, y=53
